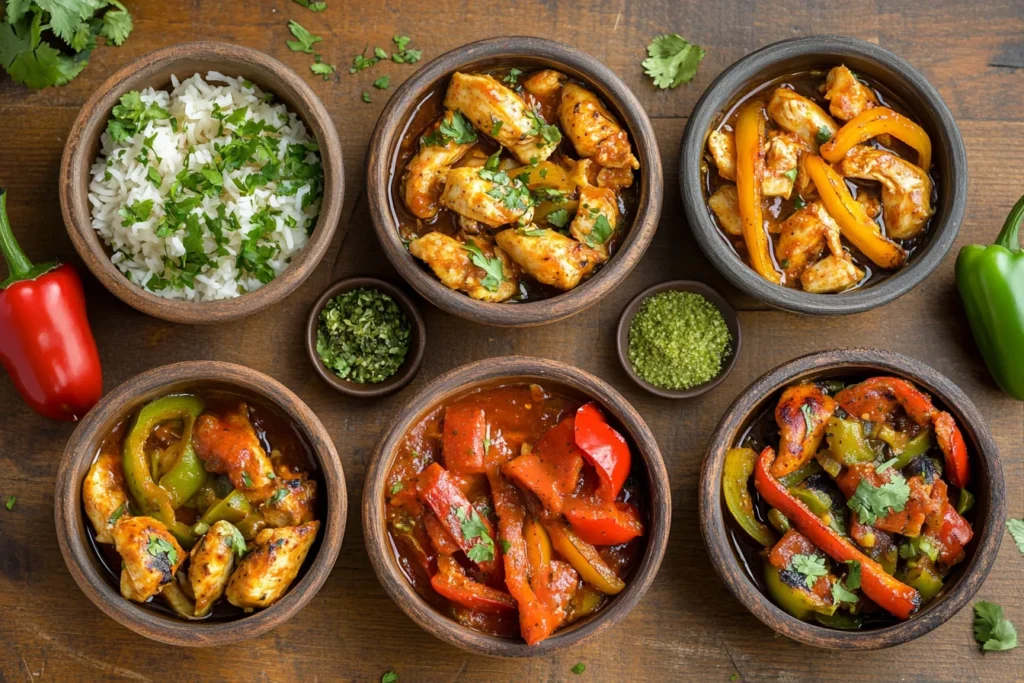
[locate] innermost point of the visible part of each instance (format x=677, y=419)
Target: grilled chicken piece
x=452, y=264
x=802, y=415
x=906, y=189
x=150, y=556
x=593, y=130
x=485, y=101
x=426, y=172
x=799, y=115
x=782, y=155
x=725, y=202
x=804, y=186
x=544, y=86
x=551, y=258
x=212, y=561
x=104, y=495
x=804, y=237
x=292, y=502
x=847, y=97
x=470, y=195
x=722, y=145
x=831, y=274
x=615, y=179
x=227, y=444
x=595, y=203
x=265, y=573
x=872, y=205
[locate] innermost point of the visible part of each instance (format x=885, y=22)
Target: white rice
x=120, y=179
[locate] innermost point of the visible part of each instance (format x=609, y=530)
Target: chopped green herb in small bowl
x=365, y=337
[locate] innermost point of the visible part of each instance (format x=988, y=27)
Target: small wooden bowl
x=155, y=70
x=516, y=369
x=732, y=321
x=417, y=341
x=86, y=566
x=816, y=52
x=488, y=54
x=987, y=485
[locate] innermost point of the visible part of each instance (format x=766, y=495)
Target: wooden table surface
x=688, y=626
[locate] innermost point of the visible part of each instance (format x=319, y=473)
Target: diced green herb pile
x=363, y=336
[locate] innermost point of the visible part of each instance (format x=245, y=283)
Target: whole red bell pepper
x=604, y=448
x=46, y=344
x=894, y=596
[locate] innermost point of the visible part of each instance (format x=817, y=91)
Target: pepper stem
x=17, y=262
x=1009, y=236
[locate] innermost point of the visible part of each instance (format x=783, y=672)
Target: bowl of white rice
x=202, y=182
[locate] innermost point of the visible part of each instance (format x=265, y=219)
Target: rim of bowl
x=90, y=124
x=417, y=342
x=732, y=321
x=394, y=120
x=70, y=518
x=732, y=83
x=452, y=383
x=988, y=532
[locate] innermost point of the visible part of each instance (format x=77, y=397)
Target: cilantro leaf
x=823, y=135
x=236, y=541
x=322, y=69
x=548, y=132
x=159, y=548
x=403, y=55
x=314, y=6
x=558, y=218
x=870, y=502
x=397, y=487
x=1016, y=528
x=512, y=77
x=473, y=528
x=600, y=233
x=452, y=129
x=389, y=677
x=118, y=513
x=672, y=60
x=579, y=668
x=841, y=594
x=382, y=83
x=491, y=265
x=992, y=629
x=117, y=26
x=30, y=61
x=811, y=566
x=853, y=575
x=505, y=545
x=279, y=495
x=304, y=40
x=808, y=414
x=9, y=503
x=366, y=97
x=66, y=15
x=16, y=9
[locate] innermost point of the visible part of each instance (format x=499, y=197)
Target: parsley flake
x=558, y=218
x=473, y=527
x=841, y=594
x=246, y=480
x=382, y=83
x=389, y=677
x=579, y=668
x=1016, y=529
x=117, y=514
x=600, y=233
x=397, y=487
x=159, y=548
x=823, y=135
x=236, y=541
x=313, y=6
x=279, y=495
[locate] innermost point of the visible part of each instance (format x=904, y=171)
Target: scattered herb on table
x=389, y=677
x=366, y=97
x=382, y=83
x=678, y=340
x=1016, y=528
x=992, y=629
x=304, y=40
x=672, y=60
x=403, y=54
x=314, y=6
x=363, y=336
x=579, y=668
x=322, y=68
x=9, y=504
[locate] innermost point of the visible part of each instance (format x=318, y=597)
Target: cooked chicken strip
x=725, y=202
x=722, y=145
x=104, y=495
x=906, y=189
x=452, y=264
x=797, y=114
x=847, y=97
x=485, y=101
x=831, y=274
x=291, y=503
x=593, y=130
x=150, y=556
x=596, y=203
x=467, y=193
x=212, y=561
x=550, y=257
x=802, y=415
x=227, y=444
x=266, y=572
x=615, y=179
x=426, y=172
x=804, y=237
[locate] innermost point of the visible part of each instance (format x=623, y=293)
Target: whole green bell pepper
x=991, y=284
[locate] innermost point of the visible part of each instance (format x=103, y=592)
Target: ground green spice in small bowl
x=678, y=340
x=363, y=336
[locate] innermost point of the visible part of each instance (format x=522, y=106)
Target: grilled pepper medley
x=851, y=498
x=819, y=183
x=516, y=184
x=512, y=510
x=202, y=497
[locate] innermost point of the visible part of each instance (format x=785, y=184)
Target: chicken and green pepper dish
x=819, y=182
x=849, y=501
x=514, y=185
x=201, y=497
x=513, y=510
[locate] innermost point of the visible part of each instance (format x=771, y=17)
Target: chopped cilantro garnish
x=473, y=527
x=118, y=513
x=304, y=40
x=870, y=502
x=314, y=6
x=600, y=233
x=397, y=487
x=382, y=83
x=823, y=135
x=558, y=218
x=159, y=548
x=491, y=265
x=246, y=480
x=512, y=77
x=811, y=566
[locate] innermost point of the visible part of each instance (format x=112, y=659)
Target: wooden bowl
x=732, y=321
x=816, y=52
x=987, y=485
x=155, y=69
x=417, y=341
x=73, y=534
x=516, y=369
x=488, y=54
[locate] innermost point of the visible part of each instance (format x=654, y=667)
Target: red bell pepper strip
x=603, y=523
x=604, y=448
x=439, y=536
x=893, y=596
x=954, y=448
x=46, y=344
x=437, y=488
x=550, y=471
x=955, y=533
x=463, y=439
x=454, y=585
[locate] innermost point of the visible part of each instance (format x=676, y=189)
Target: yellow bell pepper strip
x=739, y=464
x=853, y=221
x=871, y=123
x=750, y=135
x=584, y=558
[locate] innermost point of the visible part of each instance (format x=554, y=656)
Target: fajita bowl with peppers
x=852, y=499
x=516, y=507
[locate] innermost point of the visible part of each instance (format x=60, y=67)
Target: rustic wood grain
x=688, y=626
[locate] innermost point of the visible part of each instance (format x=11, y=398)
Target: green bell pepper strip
x=847, y=443
x=188, y=474
x=779, y=521
x=799, y=602
x=739, y=464
x=991, y=283
x=965, y=501
x=801, y=473
x=233, y=508
x=840, y=620
x=922, y=575
x=919, y=445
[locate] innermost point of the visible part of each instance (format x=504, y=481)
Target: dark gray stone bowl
x=800, y=54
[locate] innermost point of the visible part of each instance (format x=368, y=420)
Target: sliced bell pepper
x=584, y=558
x=922, y=575
x=460, y=589
x=846, y=442
x=439, y=536
x=954, y=448
x=811, y=467
x=796, y=600
x=233, y=508
x=187, y=475
x=739, y=464
x=602, y=523
x=551, y=470
x=750, y=137
x=604, y=448
x=538, y=546
x=463, y=439
x=917, y=445
x=873, y=122
x=473, y=533
x=585, y=602
x=891, y=595
x=853, y=221
x=955, y=533
x=544, y=174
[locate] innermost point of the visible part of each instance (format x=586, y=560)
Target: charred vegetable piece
x=739, y=465
x=584, y=558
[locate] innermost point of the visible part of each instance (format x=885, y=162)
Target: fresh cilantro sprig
x=841, y=594
x=811, y=566
x=672, y=60
x=321, y=68
x=452, y=129
x=992, y=629
x=130, y=115
x=473, y=527
x=304, y=40
x=491, y=265
x=870, y=502
x=9, y=503
x=1016, y=529
x=236, y=542
x=599, y=233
